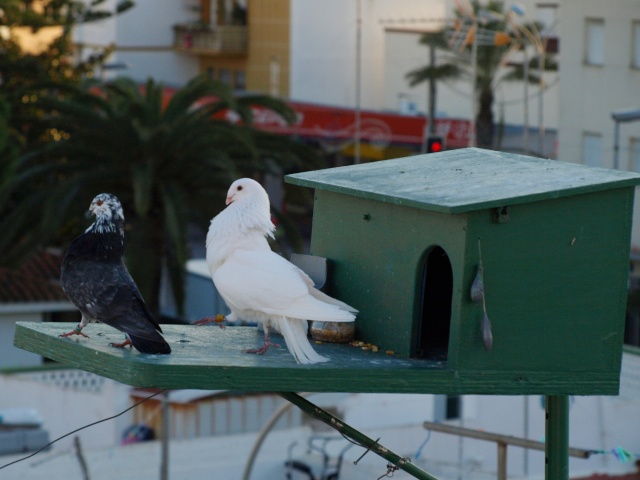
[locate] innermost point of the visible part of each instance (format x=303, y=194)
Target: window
x=592, y=149
x=240, y=80
x=447, y=407
x=274, y=76
x=454, y=407
x=594, y=46
x=635, y=46
x=224, y=75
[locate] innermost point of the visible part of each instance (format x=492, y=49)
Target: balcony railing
x=205, y=40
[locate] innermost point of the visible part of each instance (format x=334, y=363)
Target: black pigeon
x=96, y=280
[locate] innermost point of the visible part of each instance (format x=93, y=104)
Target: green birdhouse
x=487, y=264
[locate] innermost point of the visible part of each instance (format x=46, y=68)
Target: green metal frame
x=557, y=437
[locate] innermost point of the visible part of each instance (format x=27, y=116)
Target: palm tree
x=491, y=66
x=21, y=70
x=170, y=165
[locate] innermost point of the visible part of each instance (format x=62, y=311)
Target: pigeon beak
x=88, y=213
x=228, y=200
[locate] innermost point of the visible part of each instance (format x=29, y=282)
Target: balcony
x=213, y=41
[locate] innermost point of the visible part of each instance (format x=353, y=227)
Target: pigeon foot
x=207, y=320
x=75, y=331
x=263, y=349
x=122, y=345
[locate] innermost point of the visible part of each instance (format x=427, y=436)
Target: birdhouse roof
x=464, y=180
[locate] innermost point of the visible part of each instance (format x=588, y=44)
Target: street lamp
x=535, y=39
x=622, y=116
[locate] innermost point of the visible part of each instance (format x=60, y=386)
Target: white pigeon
x=259, y=285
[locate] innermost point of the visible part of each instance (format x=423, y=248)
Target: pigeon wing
x=265, y=282
x=107, y=293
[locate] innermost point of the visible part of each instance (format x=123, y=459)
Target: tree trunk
x=143, y=256
x=484, y=122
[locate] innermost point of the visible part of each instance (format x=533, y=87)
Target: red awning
x=327, y=123
x=336, y=124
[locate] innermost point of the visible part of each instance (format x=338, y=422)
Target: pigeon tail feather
x=323, y=297
x=295, y=336
x=148, y=345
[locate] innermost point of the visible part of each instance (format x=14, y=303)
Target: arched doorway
x=434, y=320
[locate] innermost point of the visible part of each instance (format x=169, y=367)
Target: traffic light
x=434, y=144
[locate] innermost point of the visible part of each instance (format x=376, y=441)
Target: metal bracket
x=312, y=265
x=501, y=215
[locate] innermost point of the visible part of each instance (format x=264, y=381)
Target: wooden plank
x=464, y=180
x=213, y=358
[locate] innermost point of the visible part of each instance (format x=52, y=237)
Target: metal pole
x=541, y=106
x=557, y=438
x=497, y=438
x=502, y=461
x=525, y=461
x=616, y=145
x=432, y=92
x=164, y=456
x=474, y=72
x=357, y=126
x=525, y=131
x=246, y=475
x=357, y=437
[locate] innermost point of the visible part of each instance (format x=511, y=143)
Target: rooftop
x=36, y=280
x=458, y=181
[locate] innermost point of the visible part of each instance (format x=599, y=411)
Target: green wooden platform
x=212, y=358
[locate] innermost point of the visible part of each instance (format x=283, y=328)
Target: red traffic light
x=434, y=144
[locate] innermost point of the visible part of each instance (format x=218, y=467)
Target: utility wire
x=82, y=428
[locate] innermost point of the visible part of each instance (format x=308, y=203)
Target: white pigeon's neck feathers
x=243, y=224
x=249, y=210
x=252, y=213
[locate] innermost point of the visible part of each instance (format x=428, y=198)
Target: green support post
x=557, y=438
x=357, y=437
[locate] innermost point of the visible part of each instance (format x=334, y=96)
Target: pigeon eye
x=99, y=203
x=239, y=187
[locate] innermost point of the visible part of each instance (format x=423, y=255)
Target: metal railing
x=502, y=441
x=222, y=39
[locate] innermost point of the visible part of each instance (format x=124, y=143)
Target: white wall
x=11, y=356
x=65, y=408
x=323, y=48
x=589, y=94
x=148, y=26
x=323, y=39
x=158, y=19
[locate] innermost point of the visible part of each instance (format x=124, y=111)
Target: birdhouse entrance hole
x=434, y=316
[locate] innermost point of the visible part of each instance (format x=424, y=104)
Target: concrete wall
x=68, y=399
x=323, y=48
x=588, y=94
x=146, y=32
x=11, y=356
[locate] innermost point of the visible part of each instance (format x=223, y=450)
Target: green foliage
x=7, y=150
x=26, y=75
x=64, y=139
x=170, y=165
